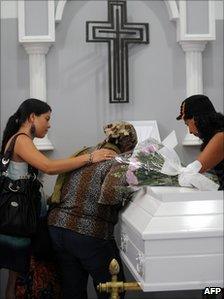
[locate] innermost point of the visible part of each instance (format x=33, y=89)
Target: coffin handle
x=124, y=242
x=140, y=263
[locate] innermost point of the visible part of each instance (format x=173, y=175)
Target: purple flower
x=131, y=178
x=149, y=149
x=134, y=164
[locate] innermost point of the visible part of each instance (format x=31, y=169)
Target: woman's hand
x=27, y=151
x=103, y=154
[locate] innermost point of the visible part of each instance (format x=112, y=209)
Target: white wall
x=9, y=9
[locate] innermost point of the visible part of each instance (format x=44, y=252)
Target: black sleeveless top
x=219, y=171
x=219, y=168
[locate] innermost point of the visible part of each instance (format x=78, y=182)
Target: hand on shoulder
x=103, y=154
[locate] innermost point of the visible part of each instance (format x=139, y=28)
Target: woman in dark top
x=203, y=121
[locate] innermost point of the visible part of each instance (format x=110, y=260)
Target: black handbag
x=20, y=200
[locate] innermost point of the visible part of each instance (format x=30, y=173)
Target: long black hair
x=208, y=125
x=15, y=121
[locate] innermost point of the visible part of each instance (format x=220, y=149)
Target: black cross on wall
x=117, y=33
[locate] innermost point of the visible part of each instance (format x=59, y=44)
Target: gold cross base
x=115, y=287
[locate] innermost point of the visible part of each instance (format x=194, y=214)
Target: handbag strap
x=8, y=155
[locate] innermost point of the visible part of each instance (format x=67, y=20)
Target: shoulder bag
x=20, y=200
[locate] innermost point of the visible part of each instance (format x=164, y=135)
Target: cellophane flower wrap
x=145, y=165
x=154, y=164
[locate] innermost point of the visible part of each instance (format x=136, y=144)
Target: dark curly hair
x=208, y=125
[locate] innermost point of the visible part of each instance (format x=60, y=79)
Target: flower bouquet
x=154, y=164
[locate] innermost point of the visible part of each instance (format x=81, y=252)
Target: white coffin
x=172, y=238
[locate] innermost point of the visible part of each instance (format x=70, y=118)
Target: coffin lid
x=175, y=212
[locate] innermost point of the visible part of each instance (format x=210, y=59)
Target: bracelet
x=90, y=161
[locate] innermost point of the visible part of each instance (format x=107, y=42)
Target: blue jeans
x=80, y=256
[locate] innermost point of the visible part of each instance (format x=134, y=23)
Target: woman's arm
x=27, y=151
x=213, y=153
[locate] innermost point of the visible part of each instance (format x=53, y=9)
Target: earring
x=32, y=130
